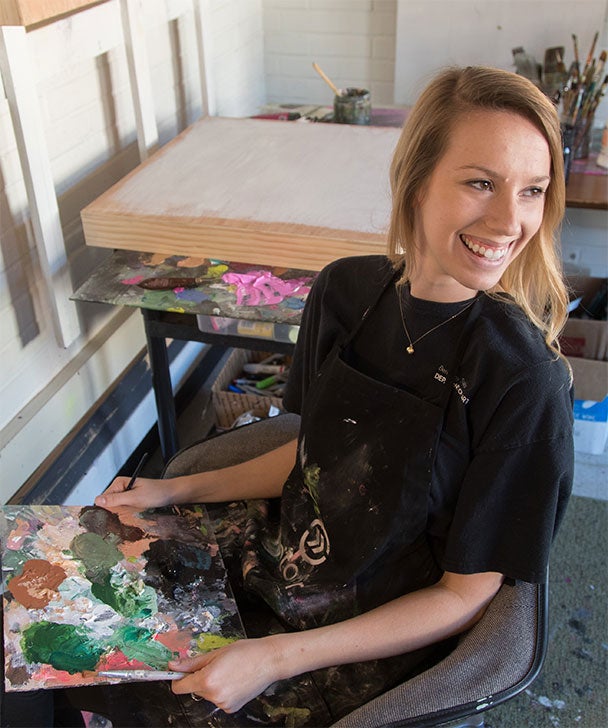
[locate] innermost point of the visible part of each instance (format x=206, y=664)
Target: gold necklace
x=410, y=348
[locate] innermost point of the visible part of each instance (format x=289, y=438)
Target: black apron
x=354, y=509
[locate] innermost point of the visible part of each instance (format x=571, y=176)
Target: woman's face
x=481, y=205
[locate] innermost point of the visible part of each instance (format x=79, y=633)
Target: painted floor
x=572, y=690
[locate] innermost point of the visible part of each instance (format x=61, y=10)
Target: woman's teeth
x=482, y=251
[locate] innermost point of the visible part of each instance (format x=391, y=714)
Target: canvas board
x=88, y=589
x=290, y=194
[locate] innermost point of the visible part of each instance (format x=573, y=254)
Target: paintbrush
x=165, y=283
x=576, y=56
x=590, y=54
x=137, y=471
x=143, y=675
x=329, y=82
x=599, y=69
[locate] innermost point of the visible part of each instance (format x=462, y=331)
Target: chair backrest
x=235, y=446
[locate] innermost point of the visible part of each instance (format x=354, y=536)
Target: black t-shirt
x=497, y=507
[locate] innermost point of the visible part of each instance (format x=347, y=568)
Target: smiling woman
x=491, y=132
x=434, y=458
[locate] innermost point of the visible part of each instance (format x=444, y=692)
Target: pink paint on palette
x=262, y=288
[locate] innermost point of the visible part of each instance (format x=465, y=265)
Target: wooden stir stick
x=337, y=91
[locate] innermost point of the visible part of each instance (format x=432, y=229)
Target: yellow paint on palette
x=215, y=271
x=176, y=309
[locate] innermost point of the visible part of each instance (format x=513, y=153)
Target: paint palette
x=87, y=589
x=233, y=290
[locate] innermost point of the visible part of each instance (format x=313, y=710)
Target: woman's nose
x=502, y=215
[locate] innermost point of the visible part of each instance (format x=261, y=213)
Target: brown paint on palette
x=156, y=259
x=37, y=584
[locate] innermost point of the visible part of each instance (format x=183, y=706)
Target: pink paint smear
x=261, y=288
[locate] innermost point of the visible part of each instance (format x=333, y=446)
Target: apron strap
x=390, y=279
x=471, y=318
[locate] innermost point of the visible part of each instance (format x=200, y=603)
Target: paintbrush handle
x=575, y=45
x=137, y=471
x=145, y=675
x=591, y=51
x=330, y=83
x=167, y=283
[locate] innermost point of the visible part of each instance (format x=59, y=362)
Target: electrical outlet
x=572, y=255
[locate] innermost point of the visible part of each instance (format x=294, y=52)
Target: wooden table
x=587, y=186
x=587, y=191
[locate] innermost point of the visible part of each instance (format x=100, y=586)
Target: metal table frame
x=160, y=326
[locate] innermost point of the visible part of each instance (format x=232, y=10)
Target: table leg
x=163, y=392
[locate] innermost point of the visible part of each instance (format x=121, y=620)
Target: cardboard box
x=585, y=338
x=585, y=343
x=590, y=405
x=228, y=406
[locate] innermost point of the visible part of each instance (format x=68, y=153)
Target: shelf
x=32, y=12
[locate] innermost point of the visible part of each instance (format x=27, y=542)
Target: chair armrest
x=496, y=659
x=235, y=446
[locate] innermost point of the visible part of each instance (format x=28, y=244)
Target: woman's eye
x=535, y=192
x=482, y=184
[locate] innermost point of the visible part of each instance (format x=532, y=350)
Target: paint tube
x=267, y=369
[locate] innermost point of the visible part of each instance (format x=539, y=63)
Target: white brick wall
x=234, y=41
x=436, y=33
x=82, y=85
x=353, y=42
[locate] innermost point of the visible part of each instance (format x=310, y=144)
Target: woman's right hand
x=145, y=493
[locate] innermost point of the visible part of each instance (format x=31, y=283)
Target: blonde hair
x=534, y=279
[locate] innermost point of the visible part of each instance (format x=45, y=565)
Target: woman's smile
x=484, y=250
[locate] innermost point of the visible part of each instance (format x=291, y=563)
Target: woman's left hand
x=230, y=676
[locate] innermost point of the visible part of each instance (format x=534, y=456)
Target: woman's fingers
x=228, y=677
x=145, y=493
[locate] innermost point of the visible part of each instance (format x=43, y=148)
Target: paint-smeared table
x=262, y=304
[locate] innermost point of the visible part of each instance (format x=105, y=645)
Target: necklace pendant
x=410, y=349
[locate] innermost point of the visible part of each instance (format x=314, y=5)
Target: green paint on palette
x=137, y=643
x=97, y=555
x=127, y=597
x=64, y=646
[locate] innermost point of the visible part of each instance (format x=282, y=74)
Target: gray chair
x=494, y=661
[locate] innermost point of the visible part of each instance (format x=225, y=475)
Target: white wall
x=234, y=42
x=353, y=41
x=435, y=33
x=86, y=108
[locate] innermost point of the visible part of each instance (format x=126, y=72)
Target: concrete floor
x=572, y=689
